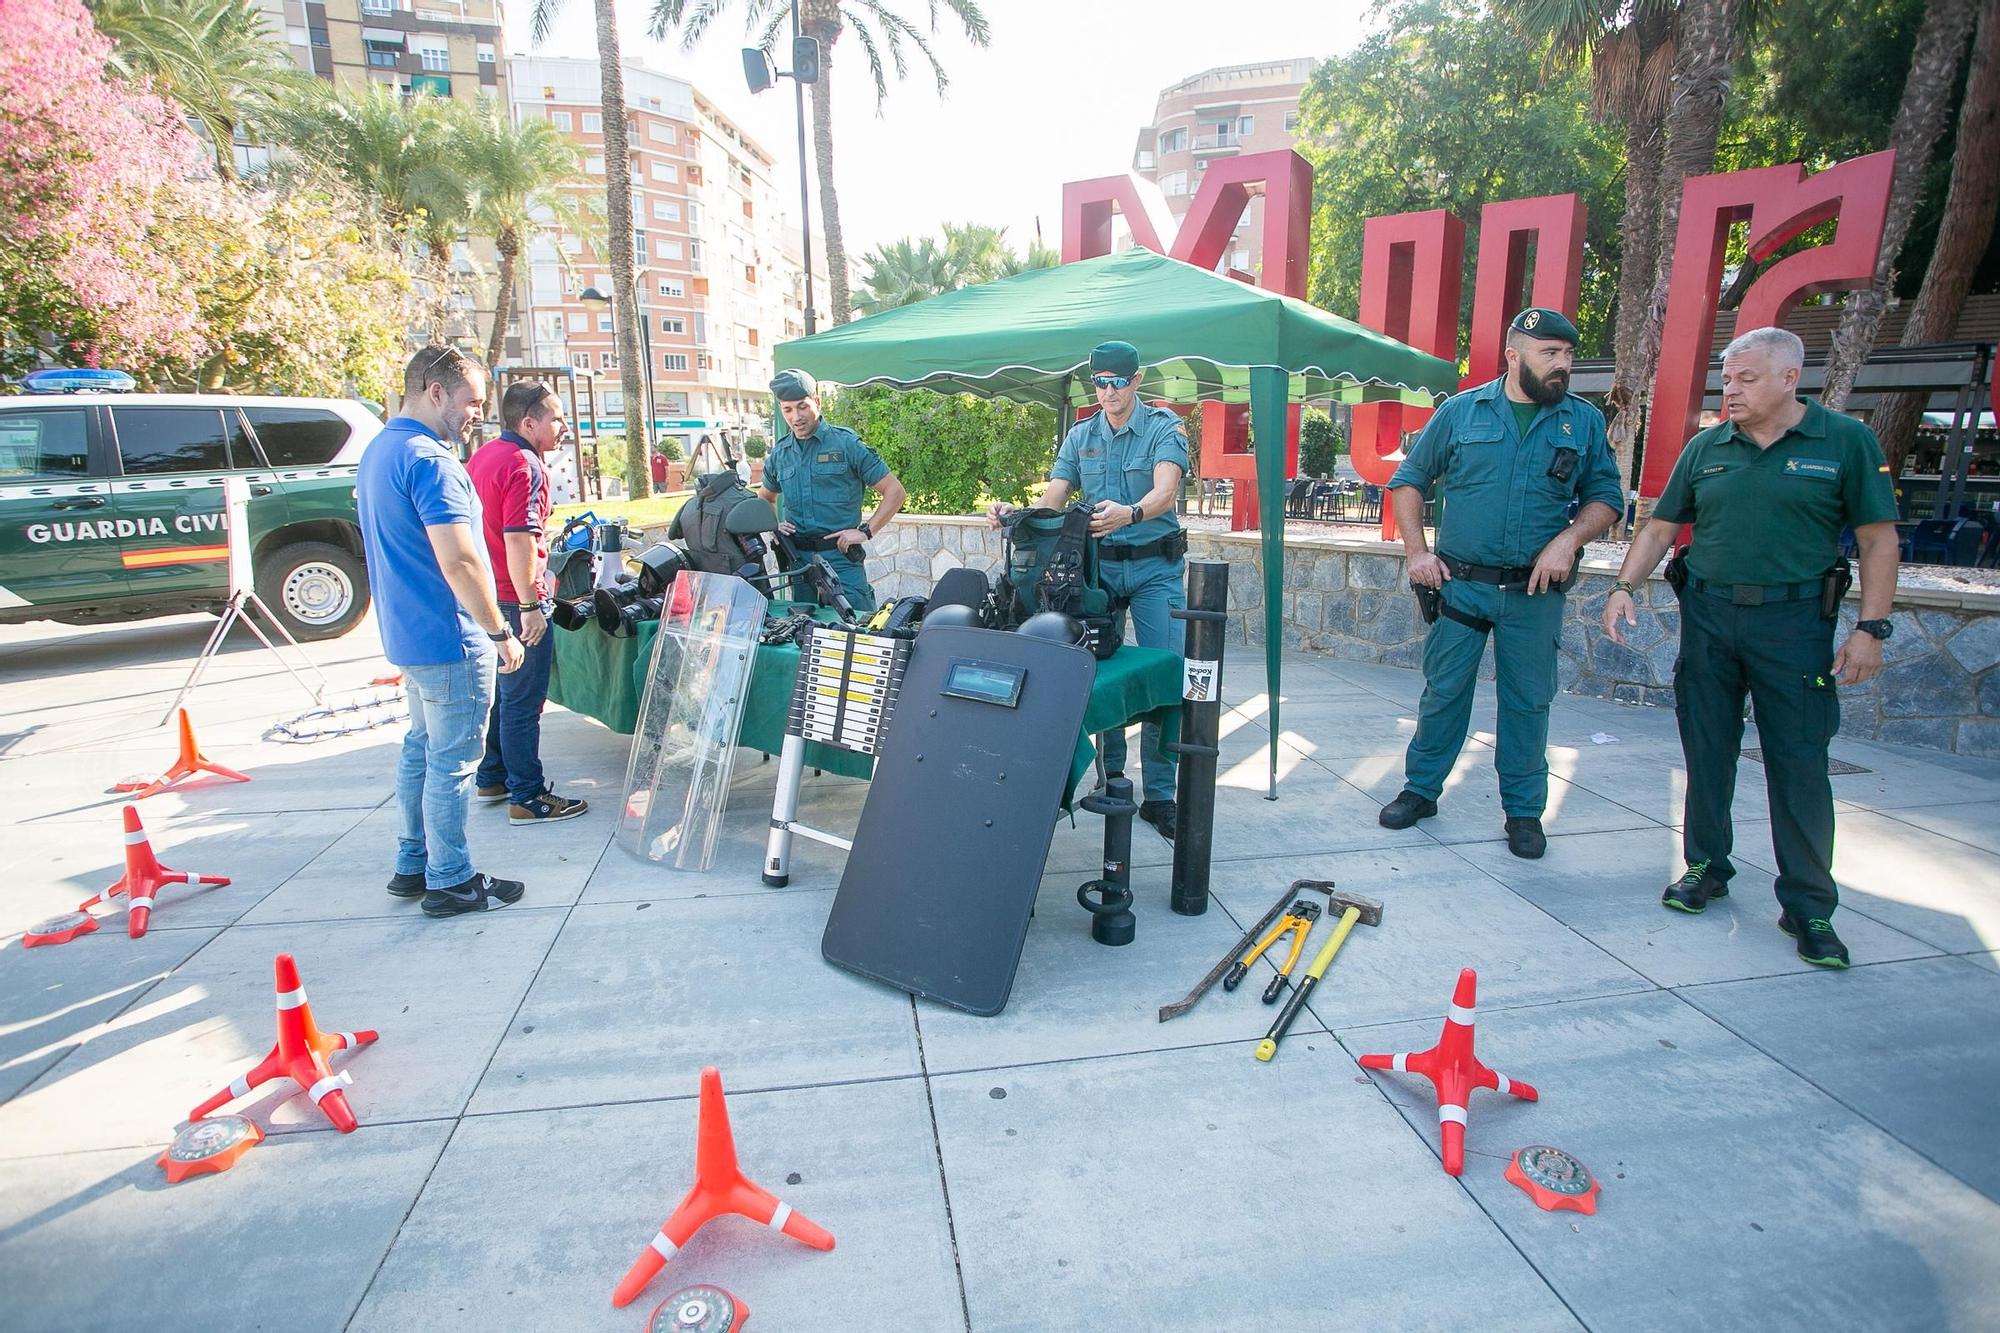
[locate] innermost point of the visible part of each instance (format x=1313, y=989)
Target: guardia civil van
x=111, y=502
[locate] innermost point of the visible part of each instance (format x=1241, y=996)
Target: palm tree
x=902, y=273
x=618, y=212
x=524, y=179
x=876, y=28
x=1920, y=119
x=216, y=58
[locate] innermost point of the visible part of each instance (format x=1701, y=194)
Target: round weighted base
x=58, y=929
x=698, y=1309
x=208, y=1146
x=1110, y=908
x=1554, y=1179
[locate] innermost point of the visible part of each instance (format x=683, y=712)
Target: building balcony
x=1227, y=142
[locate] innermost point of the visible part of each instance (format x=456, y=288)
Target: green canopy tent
x=1200, y=336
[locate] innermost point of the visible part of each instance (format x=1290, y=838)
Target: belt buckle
x=1747, y=594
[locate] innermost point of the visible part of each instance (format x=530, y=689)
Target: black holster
x=1677, y=570
x=1833, y=586
x=1429, y=602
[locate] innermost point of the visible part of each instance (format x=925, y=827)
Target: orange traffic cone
x=143, y=875
x=190, y=761
x=300, y=1055
x=719, y=1187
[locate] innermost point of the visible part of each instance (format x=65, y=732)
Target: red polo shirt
x=513, y=490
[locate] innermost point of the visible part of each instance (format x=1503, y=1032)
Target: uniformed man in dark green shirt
x=1768, y=492
x=1508, y=459
x=822, y=470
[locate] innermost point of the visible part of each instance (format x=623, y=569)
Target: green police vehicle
x=111, y=503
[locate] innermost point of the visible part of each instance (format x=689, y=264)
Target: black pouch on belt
x=1833, y=586
x=1429, y=602
x=1677, y=571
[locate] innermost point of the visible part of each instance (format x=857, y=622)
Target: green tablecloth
x=605, y=678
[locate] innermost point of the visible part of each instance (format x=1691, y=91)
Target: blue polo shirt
x=409, y=481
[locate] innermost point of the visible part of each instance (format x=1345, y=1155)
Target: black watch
x=865, y=530
x=502, y=636
x=1881, y=629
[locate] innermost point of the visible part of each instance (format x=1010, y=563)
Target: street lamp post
x=590, y=296
x=758, y=72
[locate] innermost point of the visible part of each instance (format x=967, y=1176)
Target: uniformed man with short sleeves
x=1508, y=459
x=822, y=470
x=1768, y=491
x=1128, y=460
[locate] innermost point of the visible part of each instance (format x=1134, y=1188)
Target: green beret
x=791, y=385
x=1541, y=322
x=1114, y=358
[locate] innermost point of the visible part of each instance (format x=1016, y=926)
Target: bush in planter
x=755, y=445
x=1320, y=445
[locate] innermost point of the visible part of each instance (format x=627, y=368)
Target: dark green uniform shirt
x=1118, y=465
x=1774, y=515
x=823, y=477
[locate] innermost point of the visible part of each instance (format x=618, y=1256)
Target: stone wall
x=1349, y=599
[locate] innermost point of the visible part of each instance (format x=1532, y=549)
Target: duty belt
x=1755, y=594
x=1502, y=576
x=1172, y=546
x=808, y=543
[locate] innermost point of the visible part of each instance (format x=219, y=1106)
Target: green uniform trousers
x=1525, y=631
x=1151, y=590
x=1781, y=654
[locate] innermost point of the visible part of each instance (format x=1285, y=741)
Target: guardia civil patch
x=829, y=456
x=1823, y=468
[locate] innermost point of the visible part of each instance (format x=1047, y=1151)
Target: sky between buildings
x=1059, y=95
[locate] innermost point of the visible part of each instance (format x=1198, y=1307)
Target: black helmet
x=1055, y=625
x=953, y=614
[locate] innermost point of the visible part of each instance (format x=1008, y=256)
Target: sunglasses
x=1109, y=381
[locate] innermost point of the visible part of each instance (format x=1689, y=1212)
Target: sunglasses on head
x=1109, y=381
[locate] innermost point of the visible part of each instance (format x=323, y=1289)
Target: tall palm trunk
x=829, y=205
x=625, y=297
x=1919, y=120
x=1645, y=137
x=1702, y=69
x=1970, y=208
x=508, y=246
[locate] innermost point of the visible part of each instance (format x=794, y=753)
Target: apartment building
x=1215, y=114
x=715, y=284
x=448, y=48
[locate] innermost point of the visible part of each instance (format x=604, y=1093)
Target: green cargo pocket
x=1821, y=709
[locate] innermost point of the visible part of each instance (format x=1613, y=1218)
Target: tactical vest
x=1052, y=566
x=711, y=547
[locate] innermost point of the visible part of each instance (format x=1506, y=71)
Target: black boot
x=1525, y=837
x=1161, y=815
x=1818, y=944
x=1406, y=810
x=1691, y=892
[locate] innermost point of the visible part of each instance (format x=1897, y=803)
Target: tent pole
x=1270, y=388
x=1065, y=414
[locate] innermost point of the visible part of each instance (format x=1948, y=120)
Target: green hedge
x=952, y=452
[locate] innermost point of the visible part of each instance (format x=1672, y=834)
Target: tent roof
x=1198, y=334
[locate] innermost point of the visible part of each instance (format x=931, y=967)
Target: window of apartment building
x=694, y=252
x=1174, y=141
x=594, y=165
x=579, y=323
x=676, y=290
x=604, y=323
x=297, y=37
x=694, y=214
x=750, y=274
x=1145, y=159
x=666, y=210
x=673, y=324
x=748, y=211
x=639, y=248
x=611, y=360
x=1246, y=125
x=674, y=404
x=593, y=122
x=581, y=360
x=434, y=54
x=487, y=55
x=1291, y=121
x=753, y=336
x=320, y=38
x=1174, y=183
x=382, y=54
x=560, y=119
x=661, y=133
x=673, y=361
x=378, y=6
x=700, y=329
x=572, y=245
x=666, y=171
x=667, y=249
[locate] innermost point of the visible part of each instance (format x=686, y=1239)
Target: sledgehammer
x=1354, y=908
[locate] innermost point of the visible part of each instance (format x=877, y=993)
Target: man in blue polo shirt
x=440, y=623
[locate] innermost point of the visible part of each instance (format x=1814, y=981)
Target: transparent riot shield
x=684, y=749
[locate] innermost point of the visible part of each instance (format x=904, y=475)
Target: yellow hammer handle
x=1332, y=947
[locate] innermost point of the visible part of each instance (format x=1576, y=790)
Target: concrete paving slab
x=1338, y=727
x=1469, y=808
x=1575, y=719
x=288, y=1238
x=1938, y=890
x=479, y=1251
x=74, y=786
x=1908, y=1045
x=1987, y=960
x=1074, y=998
x=1901, y=778
x=1066, y=1181
x=1316, y=811
x=1974, y=822
x=1735, y=1194
x=440, y=992
x=636, y=994
x=54, y=997
x=1606, y=887
x=1651, y=779
x=832, y=805
x=49, y=872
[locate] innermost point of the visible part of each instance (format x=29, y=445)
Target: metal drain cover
x=1834, y=767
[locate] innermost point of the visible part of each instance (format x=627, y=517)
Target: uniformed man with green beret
x=1507, y=459
x=821, y=471
x=1128, y=460
x=1768, y=491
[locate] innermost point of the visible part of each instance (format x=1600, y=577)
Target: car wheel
x=316, y=590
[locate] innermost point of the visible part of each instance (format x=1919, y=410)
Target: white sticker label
x=1198, y=679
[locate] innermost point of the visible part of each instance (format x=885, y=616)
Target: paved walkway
x=1780, y=1147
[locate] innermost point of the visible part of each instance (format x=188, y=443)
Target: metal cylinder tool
x=1109, y=900
x=1201, y=722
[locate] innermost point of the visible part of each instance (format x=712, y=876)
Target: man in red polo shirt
x=513, y=489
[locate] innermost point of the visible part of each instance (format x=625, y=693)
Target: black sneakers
x=1691, y=892
x=1525, y=837
x=1406, y=810
x=407, y=886
x=1818, y=944
x=481, y=893
x=1161, y=815
x=548, y=808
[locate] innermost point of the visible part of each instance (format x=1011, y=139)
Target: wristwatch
x=502, y=636
x=1138, y=514
x=1881, y=629
x=865, y=530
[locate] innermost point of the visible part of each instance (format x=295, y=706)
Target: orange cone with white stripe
x=1454, y=1070
x=300, y=1055
x=189, y=762
x=719, y=1187
x=143, y=877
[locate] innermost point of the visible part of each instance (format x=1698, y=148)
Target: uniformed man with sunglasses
x=1128, y=460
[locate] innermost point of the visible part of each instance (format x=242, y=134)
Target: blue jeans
x=1150, y=589
x=449, y=702
x=514, y=732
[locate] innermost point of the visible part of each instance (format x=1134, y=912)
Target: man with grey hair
x=1768, y=491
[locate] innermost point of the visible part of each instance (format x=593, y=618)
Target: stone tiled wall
x=1350, y=599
